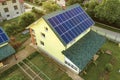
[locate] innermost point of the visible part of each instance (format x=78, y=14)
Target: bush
x=40, y=12
x=71, y=2
x=50, y=6
x=109, y=67
x=26, y=19
x=12, y=28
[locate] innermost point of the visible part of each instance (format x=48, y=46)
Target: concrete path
x=19, y=55
x=107, y=33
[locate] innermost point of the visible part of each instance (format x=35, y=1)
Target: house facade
x=68, y=40
x=10, y=9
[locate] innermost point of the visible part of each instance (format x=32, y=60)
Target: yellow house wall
x=52, y=44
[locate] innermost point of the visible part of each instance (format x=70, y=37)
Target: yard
x=49, y=67
x=45, y=65
x=98, y=71
x=13, y=73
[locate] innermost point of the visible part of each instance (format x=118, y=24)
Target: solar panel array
x=3, y=37
x=71, y=23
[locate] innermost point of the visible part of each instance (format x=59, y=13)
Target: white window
x=8, y=15
x=46, y=29
x=42, y=43
x=17, y=12
x=6, y=10
x=13, y=1
x=4, y=3
x=43, y=35
x=15, y=7
x=0, y=14
x=72, y=66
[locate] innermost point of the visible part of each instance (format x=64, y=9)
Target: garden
x=45, y=65
x=107, y=66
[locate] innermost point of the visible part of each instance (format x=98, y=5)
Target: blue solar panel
x=1, y=31
x=3, y=37
x=71, y=23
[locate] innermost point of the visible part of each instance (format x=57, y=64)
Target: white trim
x=3, y=45
x=71, y=63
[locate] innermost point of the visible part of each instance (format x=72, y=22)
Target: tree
x=37, y=12
x=26, y=19
x=108, y=10
x=71, y=2
x=50, y=6
x=11, y=28
x=90, y=6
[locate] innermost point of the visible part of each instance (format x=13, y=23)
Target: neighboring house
x=10, y=9
x=67, y=37
x=5, y=49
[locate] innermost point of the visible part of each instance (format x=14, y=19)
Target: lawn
x=49, y=67
x=13, y=73
x=46, y=65
x=98, y=72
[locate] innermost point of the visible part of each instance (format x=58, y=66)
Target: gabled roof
x=69, y=24
x=83, y=50
x=6, y=51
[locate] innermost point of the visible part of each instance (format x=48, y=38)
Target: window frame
x=8, y=15
x=4, y=3
x=43, y=34
x=0, y=14
x=46, y=29
x=42, y=43
x=15, y=7
x=13, y=1
x=6, y=10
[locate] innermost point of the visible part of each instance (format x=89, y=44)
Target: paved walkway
x=20, y=56
x=29, y=49
x=107, y=33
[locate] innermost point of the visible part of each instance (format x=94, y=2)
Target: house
x=66, y=36
x=10, y=9
x=6, y=50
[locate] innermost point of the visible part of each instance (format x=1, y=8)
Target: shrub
x=50, y=6
x=40, y=12
x=11, y=28
x=26, y=19
x=109, y=67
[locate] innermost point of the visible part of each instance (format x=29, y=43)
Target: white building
x=10, y=9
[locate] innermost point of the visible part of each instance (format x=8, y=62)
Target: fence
x=114, y=36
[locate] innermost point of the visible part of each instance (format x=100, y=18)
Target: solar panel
x=3, y=37
x=71, y=23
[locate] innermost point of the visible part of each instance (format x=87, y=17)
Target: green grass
x=49, y=67
x=13, y=73
x=14, y=20
x=98, y=72
x=107, y=27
